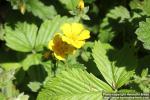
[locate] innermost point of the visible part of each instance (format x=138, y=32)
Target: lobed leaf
x=25, y=38
x=74, y=84
x=22, y=38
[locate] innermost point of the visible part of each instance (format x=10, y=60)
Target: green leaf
x=25, y=38
x=112, y=20
x=74, y=84
x=115, y=73
x=144, y=72
x=85, y=17
x=125, y=65
x=6, y=77
x=136, y=4
x=34, y=86
x=22, y=96
x=40, y=10
x=22, y=38
x=146, y=7
x=31, y=59
x=106, y=31
x=103, y=63
x=70, y=4
x=10, y=66
x=143, y=33
x=47, y=30
x=119, y=12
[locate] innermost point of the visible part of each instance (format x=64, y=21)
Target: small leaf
x=85, y=17
x=143, y=33
x=34, y=86
x=32, y=59
x=22, y=97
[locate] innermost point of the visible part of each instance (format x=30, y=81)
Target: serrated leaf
x=144, y=6
x=115, y=75
x=40, y=10
x=70, y=4
x=119, y=12
x=143, y=33
x=22, y=38
x=74, y=84
x=112, y=20
x=25, y=38
x=47, y=30
x=103, y=63
x=31, y=59
x=136, y=4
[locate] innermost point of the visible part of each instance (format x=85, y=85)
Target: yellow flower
x=61, y=49
x=81, y=5
x=75, y=34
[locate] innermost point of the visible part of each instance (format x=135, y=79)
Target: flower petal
x=66, y=29
x=59, y=57
x=78, y=44
x=85, y=34
x=50, y=44
x=76, y=28
x=67, y=40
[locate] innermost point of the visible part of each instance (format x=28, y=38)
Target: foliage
x=143, y=33
x=66, y=86
x=104, y=45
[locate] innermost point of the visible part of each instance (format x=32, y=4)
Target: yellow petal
x=66, y=39
x=59, y=57
x=78, y=44
x=85, y=34
x=76, y=28
x=50, y=44
x=66, y=29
